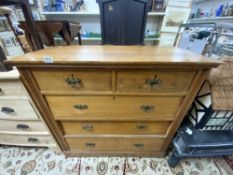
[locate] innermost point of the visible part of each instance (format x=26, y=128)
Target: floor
x=41, y=161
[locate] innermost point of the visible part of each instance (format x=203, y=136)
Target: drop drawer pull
x=73, y=81
x=141, y=127
x=154, y=83
x=81, y=107
x=33, y=140
x=147, y=108
x=7, y=110
x=90, y=145
x=139, y=145
x=88, y=127
x=22, y=127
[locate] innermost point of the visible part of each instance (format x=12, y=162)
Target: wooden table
x=48, y=29
x=113, y=100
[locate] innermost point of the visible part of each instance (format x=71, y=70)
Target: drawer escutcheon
x=139, y=145
x=154, y=83
x=90, y=145
x=8, y=110
x=22, y=127
x=141, y=127
x=88, y=127
x=81, y=107
x=33, y=140
x=147, y=108
x=73, y=82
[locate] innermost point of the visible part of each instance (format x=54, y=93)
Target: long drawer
x=23, y=140
x=154, y=81
x=16, y=109
x=114, y=144
x=23, y=127
x=121, y=107
x=115, y=128
x=12, y=88
x=74, y=81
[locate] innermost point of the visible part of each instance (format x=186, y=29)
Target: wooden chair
x=48, y=29
x=37, y=43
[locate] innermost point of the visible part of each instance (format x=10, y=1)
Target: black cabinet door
x=135, y=21
x=111, y=21
x=123, y=21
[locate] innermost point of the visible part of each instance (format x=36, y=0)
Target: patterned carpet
x=41, y=161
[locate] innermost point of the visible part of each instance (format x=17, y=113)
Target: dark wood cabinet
x=123, y=22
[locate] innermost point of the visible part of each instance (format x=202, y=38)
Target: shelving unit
x=90, y=22
x=211, y=19
x=89, y=18
x=208, y=6
x=89, y=13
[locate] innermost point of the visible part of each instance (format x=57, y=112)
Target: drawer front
x=153, y=81
x=23, y=127
x=12, y=88
x=111, y=128
x=22, y=140
x=113, y=107
x=114, y=144
x=74, y=81
x=16, y=109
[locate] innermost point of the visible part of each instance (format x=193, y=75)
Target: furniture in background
x=4, y=11
x=209, y=39
x=10, y=44
x=3, y=67
x=123, y=22
x=48, y=29
x=89, y=18
x=20, y=123
x=207, y=130
x=24, y=4
x=113, y=100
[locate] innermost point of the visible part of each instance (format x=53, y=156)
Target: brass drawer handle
x=22, y=127
x=88, y=127
x=154, y=83
x=33, y=140
x=81, y=107
x=90, y=145
x=141, y=127
x=147, y=108
x=139, y=145
x=73, y=82
x=7, y=110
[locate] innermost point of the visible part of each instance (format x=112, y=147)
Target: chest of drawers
x=20, y=123
x=113, y=100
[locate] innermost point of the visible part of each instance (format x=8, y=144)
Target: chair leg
x=79, y=39
x=173, y=159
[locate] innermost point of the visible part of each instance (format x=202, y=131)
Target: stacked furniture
x=208, y=129
x=113, y=100
x=20, y=123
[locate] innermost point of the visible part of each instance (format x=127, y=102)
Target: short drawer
x=115, y=128
x=154, y=81
x=120, y=107
x=23, y=127
x=115, y=144
x=12, y=88
x=74, y=81
x=20, y=108
x=23, y=140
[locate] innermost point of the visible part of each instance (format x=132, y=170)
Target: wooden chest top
x=115, y=55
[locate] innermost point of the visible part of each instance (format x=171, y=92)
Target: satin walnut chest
x=113, y=100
